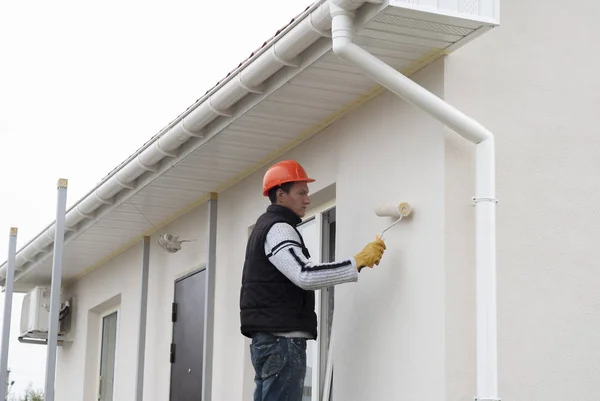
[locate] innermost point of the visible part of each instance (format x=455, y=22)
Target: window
x=318, y=232
x=107, y=357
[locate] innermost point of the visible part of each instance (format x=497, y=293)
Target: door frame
x=187, y=274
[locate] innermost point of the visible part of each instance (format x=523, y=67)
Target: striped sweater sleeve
x=284, y=250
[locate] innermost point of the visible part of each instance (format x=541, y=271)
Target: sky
x=84, y=84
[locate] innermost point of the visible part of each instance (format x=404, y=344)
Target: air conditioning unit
x=35, y=315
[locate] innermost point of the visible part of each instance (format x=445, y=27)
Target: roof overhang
x=289, y=90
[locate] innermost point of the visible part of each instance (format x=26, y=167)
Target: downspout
x=485, y=194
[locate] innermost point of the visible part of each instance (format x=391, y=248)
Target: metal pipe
x=209, y=305
x=8, y=298
x=139, y=385
x=388, y=77
x=485, y=244
x=61, y=206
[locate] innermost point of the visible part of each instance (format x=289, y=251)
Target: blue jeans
x=279, y=367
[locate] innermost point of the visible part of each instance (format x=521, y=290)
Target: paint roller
x=395, y=211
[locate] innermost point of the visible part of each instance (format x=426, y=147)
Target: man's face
x=297, y=199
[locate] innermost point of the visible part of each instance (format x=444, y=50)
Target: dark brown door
x=188, y=338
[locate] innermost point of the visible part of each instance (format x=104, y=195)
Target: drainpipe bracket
x=475, y=202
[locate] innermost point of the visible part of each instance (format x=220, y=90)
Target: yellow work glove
x=371, y=254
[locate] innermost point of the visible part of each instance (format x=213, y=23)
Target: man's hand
x=371, y=254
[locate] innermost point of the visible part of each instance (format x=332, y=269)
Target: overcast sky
x=84, y=84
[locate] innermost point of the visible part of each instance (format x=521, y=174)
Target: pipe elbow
x=342, y=29
x=481, y=134
x=340, y=48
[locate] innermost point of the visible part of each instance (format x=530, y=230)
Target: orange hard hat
x=282, y=172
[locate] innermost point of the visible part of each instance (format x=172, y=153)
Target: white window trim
x=101, y=317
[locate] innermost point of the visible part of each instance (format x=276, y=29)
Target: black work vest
x=269, y=301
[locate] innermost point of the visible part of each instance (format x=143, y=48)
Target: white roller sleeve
x=393, y=210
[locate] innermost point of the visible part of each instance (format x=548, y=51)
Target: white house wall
x=406, y=330
x=460, y=301
x=390, y=325
x=165, y=268
x=121, y=279
x=391, y=322
x=543, y=108
x=78, y=361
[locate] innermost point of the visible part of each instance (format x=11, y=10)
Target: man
x=277, y=299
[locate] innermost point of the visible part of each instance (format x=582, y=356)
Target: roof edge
x=274, y=54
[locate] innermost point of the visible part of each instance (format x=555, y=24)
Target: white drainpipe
x=485, y=199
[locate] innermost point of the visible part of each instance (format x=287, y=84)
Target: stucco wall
x=392, y=321
x=459, y=231
x=118, y=284
x=113, y=286
x=534, y=82
x=390, y=344
x=406, y=330
x=420, y=303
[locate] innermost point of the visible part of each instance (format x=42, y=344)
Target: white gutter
x=342, y=12
x=249, y=79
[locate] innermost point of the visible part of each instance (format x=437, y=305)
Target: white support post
x=139, y=389
x=209, y=313
x=8, y=298
x=59, y=236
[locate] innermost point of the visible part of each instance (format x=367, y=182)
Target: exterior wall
x=387, y=151
x=392, y=321
x=165, y=268
x=102, y=290
x=407, y=329
x=459, y=231
x=118, y=283
x=542, y=107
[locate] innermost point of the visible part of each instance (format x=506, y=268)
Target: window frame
x=101, y=317
x=319, y=352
